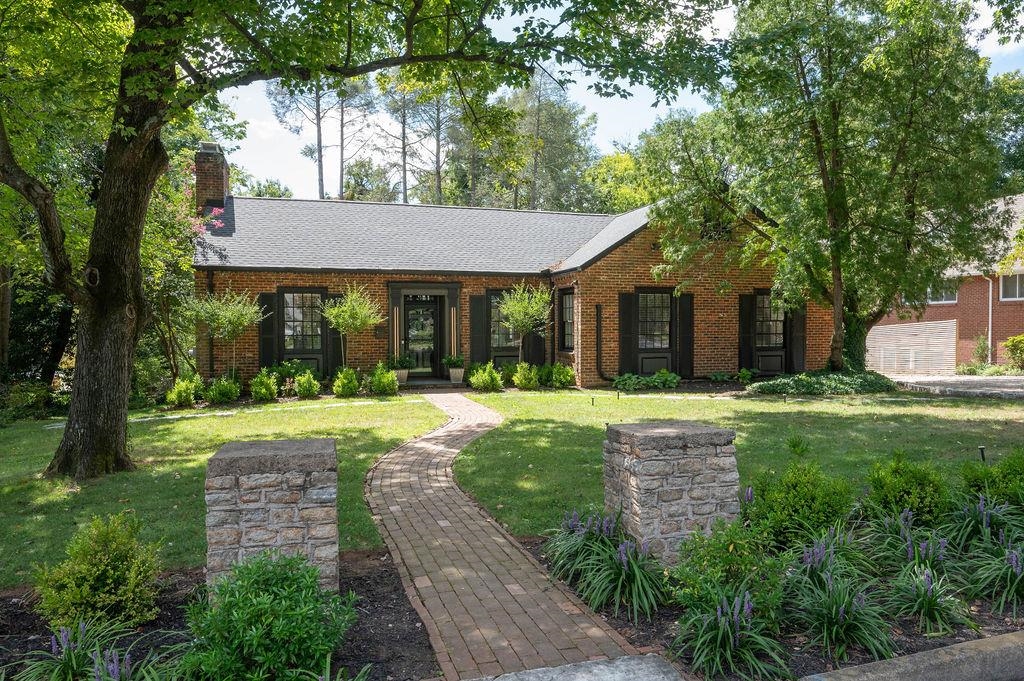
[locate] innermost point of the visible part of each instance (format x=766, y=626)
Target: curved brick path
x=488, y=606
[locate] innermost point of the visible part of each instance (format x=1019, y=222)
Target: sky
x=271, y=151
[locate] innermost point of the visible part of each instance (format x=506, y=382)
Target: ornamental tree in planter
x=525, y=310
x=456, y=367
x=354, y=312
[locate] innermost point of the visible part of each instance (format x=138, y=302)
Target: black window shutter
x=748, y=324
x=627, y=333
x=685, y=336
x=796, y=340
x=268, y=329
x=334, y=346
x=479, y=334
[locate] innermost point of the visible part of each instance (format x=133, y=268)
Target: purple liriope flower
x=65, y=638
x=842, y=614
x=1002, y=536
x=1016, y=564
x=943, y=543
x=749, y=495
x=928, y=582
x=53, y=645
x=645, y=547
x=748, y=605
x=910, y=550
x=828, y=580
x=624, y=549
x=719, y=612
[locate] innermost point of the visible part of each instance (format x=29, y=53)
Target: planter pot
x=403, y=375
x=456, y=374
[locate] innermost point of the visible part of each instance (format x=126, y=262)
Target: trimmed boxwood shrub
x=109, y=574
x=525, y=377
x=486, y=378
x=825, y=383
x=562, y=376
x=306, y=385
x=382, y=381
x=183, y=392
x=346, y=383
x=263, y=386
x=222, y=391
x=902, y=484
x=799, y=500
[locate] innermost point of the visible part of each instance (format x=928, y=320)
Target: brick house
x=440, y=270
x=976, y=303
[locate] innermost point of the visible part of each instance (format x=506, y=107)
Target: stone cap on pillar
x=670, y=434
x=273, y=456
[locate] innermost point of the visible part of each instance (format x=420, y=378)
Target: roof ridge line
x=430, y=205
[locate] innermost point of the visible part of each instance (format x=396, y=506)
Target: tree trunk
x=319, y=117
x=835, y=357
x=438, y=192
x=112, y=309
x=405, y=154
x=536, y=153
x=6, y=294
x=341, y=148
x=58, y=342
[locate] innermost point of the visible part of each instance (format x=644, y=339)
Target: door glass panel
x=422, y=320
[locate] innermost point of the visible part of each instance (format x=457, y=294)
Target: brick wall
x=971, y=314
x=716, y=289
x=211, y=176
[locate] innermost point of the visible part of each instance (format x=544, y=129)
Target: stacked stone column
x=280, y=496
x=670, y=478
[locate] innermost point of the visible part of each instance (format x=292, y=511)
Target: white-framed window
x=1011, y=287
x=944, y=294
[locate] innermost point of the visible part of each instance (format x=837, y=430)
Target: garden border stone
x=669, y=479
x=278, y=495
x=998, y=658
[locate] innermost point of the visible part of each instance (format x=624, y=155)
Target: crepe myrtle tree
x=354, y=312
x=525, y=310
x=143, y=63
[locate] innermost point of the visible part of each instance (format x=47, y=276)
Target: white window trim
x=945, y=302
x=1009, y=300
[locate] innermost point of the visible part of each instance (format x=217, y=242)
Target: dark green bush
x=1015, y=351
x=825, y=383
x=268, y=619
x=797, y=501
x=222, y=390
x=508, y=372
x=306, y=385
x=544, y=373
x=486, y=378
x=902, y=484
x=346, y=383
x=836, y=613
x=734, y=555
x=663, y=379
x=24, y=400
x=183, y=392
x=525, y=377
x=109, y=574
x=381, y=381
x=263, y=386
x=628, y=382
x=286, y=373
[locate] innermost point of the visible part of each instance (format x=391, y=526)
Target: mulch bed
x=662, y=630
x=388, y=634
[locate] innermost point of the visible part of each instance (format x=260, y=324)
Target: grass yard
x=39, y=516
x=546, y=457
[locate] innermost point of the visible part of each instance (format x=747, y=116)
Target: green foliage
x=921, y=593
x=618, y=183
x=24, y=400
x=453, y=361
x=286, y=372
x=720, y=376
x=799, y=499
x=562, y=376
x=222, y=390
x=183, y=392
x=486, y=378
x=663, y=379
x=735, y=556
x=346, y=383
x=729, y=637
x=1015, y=351
x=508, y=372
x=978, y=517
x=525, y=310
x=997, y=573
x=745, y=375
x=381, y=381
x=825, y=383
x=835, y=613
x=902, y=484
x=972, y=369
x=263, y=386
x=268, y=619
x=354, y=312
x=981, y=350
x=605, y=565
x=307, y=386
x=226, y=315
x=525, y=377
x=402, y=362
x=108, y=574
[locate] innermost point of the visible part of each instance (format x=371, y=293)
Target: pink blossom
x=216, y=212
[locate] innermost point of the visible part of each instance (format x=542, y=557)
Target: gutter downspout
x=991, y=284
x=597, y=338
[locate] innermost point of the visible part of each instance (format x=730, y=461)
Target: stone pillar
x=670, y=478
x=279, y=495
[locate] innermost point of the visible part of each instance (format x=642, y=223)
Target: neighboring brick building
x=439, y=270
x=975, y=305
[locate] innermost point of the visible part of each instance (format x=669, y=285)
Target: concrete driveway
x=1007, y=387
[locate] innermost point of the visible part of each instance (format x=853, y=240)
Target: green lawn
x=546, y=457
x=38, y=516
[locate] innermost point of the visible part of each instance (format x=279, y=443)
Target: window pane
x=1013, y=286
x=302, y=325
x=769, y=324
x=566, y=313
x=655, y=316
x=501, y=336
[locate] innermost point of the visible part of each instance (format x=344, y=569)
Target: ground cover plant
x=825, y=383
x=166, y=491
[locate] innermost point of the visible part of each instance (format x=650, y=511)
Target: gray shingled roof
x=261, y=233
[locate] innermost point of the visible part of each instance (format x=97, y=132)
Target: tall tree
x=617, y=183
x=356, y=102
x=145, y=62
x=854, y=147
x=367, y=181
x=297, y=105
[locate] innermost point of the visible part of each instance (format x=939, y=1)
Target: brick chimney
x=211, y=176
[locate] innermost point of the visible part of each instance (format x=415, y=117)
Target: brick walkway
x=488, y=606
